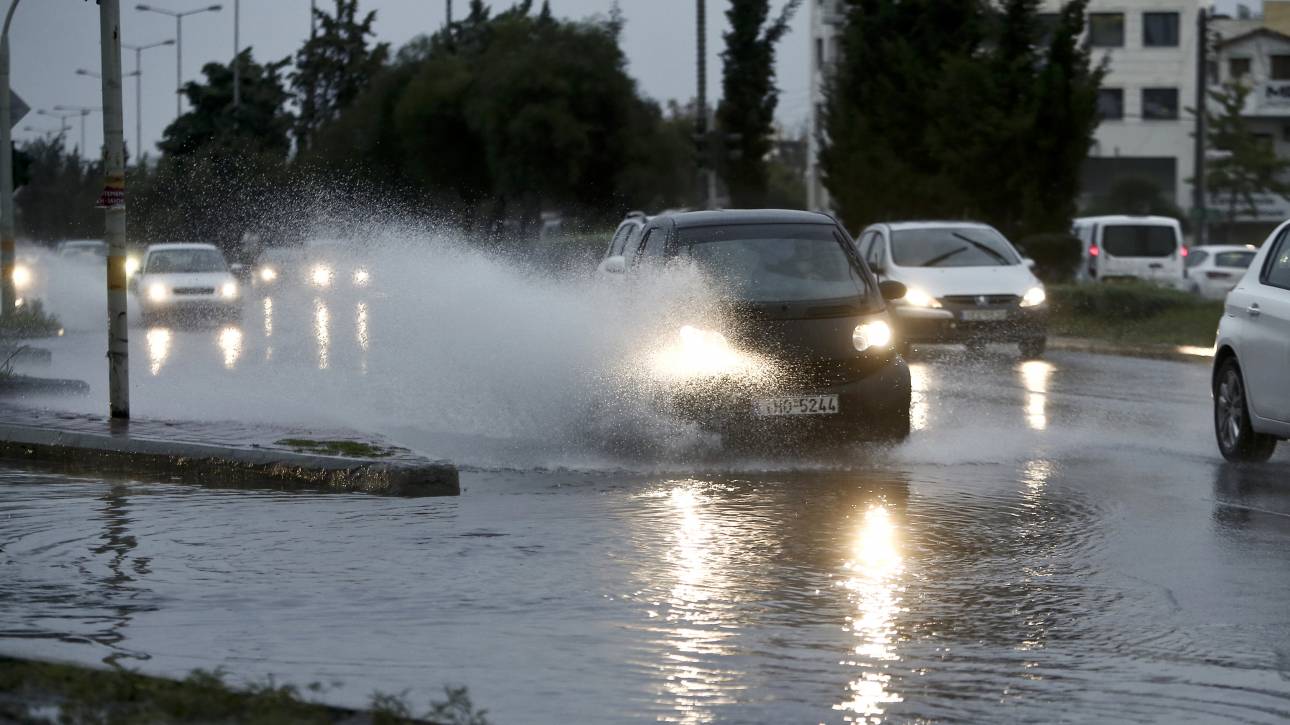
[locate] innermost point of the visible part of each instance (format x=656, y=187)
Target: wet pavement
x=1058, y=541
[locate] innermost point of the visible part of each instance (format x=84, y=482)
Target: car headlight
x=268, y=274
x=157, y=292
x=21, y=276
x=131, y=266
x=320, y=275
x=871, y=335
x=1034, y=297
x=229, y=290
x=918, y=298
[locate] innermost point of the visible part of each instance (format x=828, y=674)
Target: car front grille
x=979, y=300
x=194, y=290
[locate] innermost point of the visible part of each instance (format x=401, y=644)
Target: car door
x=1265, y=356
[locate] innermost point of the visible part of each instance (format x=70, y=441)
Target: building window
x=1281, y=67
x=1110, y=103
x=1106, y=30
x=1238, y=68
x=1211, y=72
x=1160, y=104
x=1160, y=30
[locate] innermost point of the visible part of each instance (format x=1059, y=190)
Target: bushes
x=29, y=320
x=1133, y=313
x=1124, y=300
x=1056, y=256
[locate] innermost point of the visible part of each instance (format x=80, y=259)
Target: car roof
x=1129, y=219
x=746, y=216
x=935, y=224
x=180, y=245
x=82, y=243
x=1219, y=248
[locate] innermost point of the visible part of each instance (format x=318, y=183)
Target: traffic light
x=21, y=167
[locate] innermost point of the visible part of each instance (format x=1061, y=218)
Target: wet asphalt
x=1059, y=541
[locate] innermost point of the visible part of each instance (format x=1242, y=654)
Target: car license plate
x=984, y=315
x=797, y=405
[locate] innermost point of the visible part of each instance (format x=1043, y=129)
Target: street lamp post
x=84, y=112
x=8, y=233
x=179, y=43
x=62, y=121
x=138, y=88
x=138, y=73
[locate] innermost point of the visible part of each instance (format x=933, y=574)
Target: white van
x=1131, y=247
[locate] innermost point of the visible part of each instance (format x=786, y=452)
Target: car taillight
x=1218, y=275
x=1183, y=252
x=1093, y=251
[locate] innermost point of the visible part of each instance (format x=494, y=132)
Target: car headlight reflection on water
x=871, y=335
x=1034, y=297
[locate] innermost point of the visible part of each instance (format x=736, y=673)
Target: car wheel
x=1033, y=348
x=1237, y=439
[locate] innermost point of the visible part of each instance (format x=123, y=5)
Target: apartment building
x=1150, y=46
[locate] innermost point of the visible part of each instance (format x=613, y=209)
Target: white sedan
x=1212, y=271
x=186, y=278
x=1252, y=357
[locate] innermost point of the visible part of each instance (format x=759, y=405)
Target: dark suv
x=805, y=340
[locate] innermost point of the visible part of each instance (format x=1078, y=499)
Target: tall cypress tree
x=746, y=116
x=335, y=66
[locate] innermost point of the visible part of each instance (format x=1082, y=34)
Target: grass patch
x=1133, y=313
x=350, y=449
x=39, y=692
x=29, y=321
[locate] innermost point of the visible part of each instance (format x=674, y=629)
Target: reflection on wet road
x=1058, y=541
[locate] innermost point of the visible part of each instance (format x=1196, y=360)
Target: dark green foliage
x=29, y=321
x=58, y=200
x=1127, y=300
x=1250, y=165
x=335, y=66
x=954, y=109
x=260, y=125
x=21, y=166
x=1131, y=195
x=746, y=116
x=1133, y=313
x=1056, y=255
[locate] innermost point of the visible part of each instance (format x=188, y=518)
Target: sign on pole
x=17, y=109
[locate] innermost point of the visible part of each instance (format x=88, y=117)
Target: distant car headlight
x=871, y=335
x=361, y=277
x=918, y=298
x=320, y=275
x=268, y=274
x=157, y=292
x=21, y=277
x=1034, y=297
x=229, y=290
x=131, y=266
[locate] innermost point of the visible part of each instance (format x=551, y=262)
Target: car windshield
x=776, y=262
x=1239, y=260
x=186, y=261
x=951, y=247
x=1139, y=240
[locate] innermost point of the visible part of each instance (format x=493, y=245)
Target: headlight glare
x=321, y=275
x=21, y=276
x=268, y=274
x=919, y=298
x=871, y=335
x=157, y=292
x=131, y=266
x=1034, y=297
x=229, y=290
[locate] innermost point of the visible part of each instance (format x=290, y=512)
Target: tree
x=1249, y=167
x=57, y=202
x=261, y=124
x=746, y=115
x=335, y=66
x=956, y=108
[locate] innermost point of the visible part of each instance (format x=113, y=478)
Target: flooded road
x=1059, y=540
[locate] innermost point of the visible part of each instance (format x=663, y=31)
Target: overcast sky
x=51, y=39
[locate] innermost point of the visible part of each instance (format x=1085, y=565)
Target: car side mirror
x=878, y=267
x=892, y=290
x=1030, y=263
x=614, y=265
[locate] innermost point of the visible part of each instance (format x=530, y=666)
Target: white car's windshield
x=185, y=261
x=776, y=262
x=951, y=247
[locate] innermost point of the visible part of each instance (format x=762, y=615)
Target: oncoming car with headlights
x=186, y=279
x=805, y=342
x=965, y=282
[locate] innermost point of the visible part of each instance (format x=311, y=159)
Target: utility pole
x=1199, y=201
x=138, y=91
x=237, y=67
x=83, y=112
x=707, y=180
x=7, y=231
x=113, y=200
x=179, y=45
x=449, y=4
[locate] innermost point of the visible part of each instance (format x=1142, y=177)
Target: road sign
x=17, y=109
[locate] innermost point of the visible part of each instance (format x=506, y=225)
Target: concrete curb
x=1175, y=353
x=114, y=450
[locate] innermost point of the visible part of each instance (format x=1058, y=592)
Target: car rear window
x=776, y=262
x=1239, y=260
x=1139, y=240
